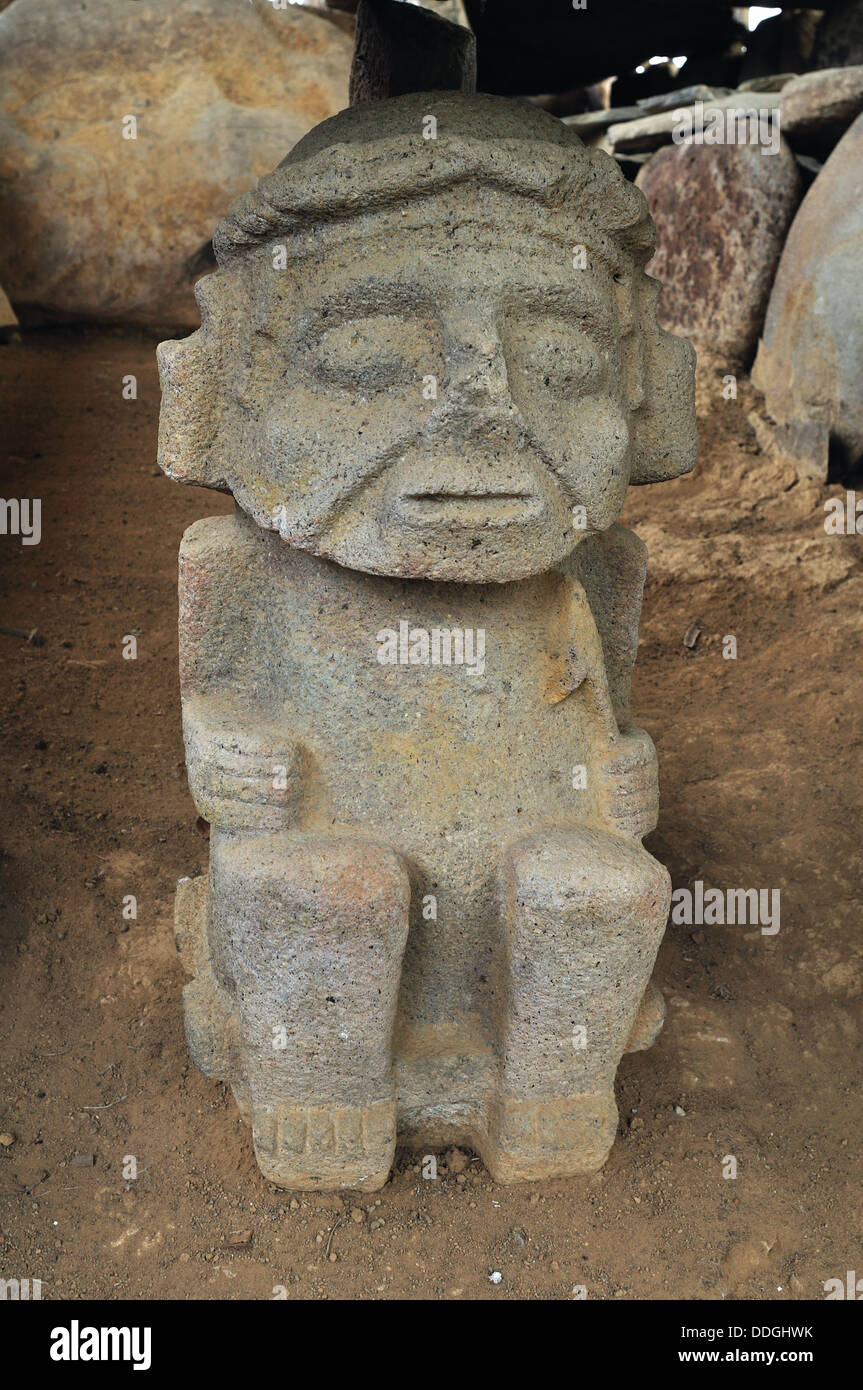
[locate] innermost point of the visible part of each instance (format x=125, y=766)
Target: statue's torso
x=444, y=763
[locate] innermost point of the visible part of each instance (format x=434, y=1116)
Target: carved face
x=432, y=358
x=435, y=399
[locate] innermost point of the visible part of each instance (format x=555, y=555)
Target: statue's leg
x=307, y=934
x=584, y=912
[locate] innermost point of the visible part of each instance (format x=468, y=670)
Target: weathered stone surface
x=771, y=82
x=819, y=107
x=405, y=659
x=721, y=213
x=98, y=226
x=401, y=48
x=589, y=123
x=682, y=96
x=650, y=132
x=810, y=360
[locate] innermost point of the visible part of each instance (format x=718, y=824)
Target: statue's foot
x=550, y=1138
x=310, y=1148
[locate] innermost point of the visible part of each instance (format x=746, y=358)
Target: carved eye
x=376, y=352
x=555, y=355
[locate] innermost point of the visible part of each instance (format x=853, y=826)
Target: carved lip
x=470, y=505
x=467, y=495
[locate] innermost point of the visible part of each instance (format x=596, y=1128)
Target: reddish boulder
x=721, y=215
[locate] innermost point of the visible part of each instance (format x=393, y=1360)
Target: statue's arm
x=611, y=567
x=243, y=772
x=244, y=767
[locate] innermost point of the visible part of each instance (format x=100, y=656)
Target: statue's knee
x=590, y=873
x=321, y=883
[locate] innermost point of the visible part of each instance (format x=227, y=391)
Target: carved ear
x=664, y=433
x=194, y=400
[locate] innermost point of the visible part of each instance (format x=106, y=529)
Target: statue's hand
x=629, y=783
x=243, y=772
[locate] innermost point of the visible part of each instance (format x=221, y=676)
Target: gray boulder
x=810, y=361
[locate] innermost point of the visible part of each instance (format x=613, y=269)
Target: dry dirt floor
x=760, y=774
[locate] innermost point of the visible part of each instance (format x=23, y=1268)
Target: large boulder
x=818, y=107
x=810, y=361
x=101, y=226
x=721, y=215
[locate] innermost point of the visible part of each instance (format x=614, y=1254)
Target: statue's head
x=431, y=348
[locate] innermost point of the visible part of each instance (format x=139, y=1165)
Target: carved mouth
x=471, y=507
x=438, y=497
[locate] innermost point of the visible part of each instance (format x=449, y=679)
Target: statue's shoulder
x=609, y=562
x=609, y=568
x=215, y=539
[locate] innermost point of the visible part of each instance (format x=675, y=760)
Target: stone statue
x=428, y=370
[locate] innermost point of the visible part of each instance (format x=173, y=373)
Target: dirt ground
x=760, y=775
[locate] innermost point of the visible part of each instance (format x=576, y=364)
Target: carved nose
x=477, y=375
x=484, y=384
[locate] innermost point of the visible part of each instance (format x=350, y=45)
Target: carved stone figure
x=428, y=370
